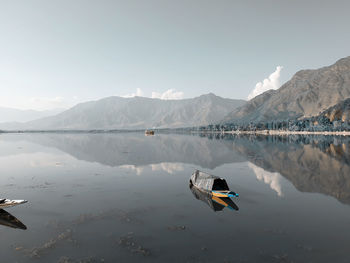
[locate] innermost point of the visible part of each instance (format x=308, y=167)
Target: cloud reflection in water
x=272, y=179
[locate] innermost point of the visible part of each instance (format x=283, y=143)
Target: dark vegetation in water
x=67, y=233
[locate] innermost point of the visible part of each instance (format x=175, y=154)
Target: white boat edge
x=10, y=203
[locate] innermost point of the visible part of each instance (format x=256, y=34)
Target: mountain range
x=135, y=113
x=306, y=94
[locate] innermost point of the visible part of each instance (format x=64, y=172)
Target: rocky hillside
x=339, y=112
x=308, y=93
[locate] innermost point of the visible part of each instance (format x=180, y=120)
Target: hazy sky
x=57, y=53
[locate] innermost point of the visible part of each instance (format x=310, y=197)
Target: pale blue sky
x=57, y=53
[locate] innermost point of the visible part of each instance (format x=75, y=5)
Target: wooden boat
x=215, y=185
x=149, y=132
x=5, y=203
x=214, y=202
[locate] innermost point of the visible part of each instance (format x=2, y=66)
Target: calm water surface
x=126, y=198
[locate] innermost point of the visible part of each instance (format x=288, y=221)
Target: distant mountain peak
x=137, y=113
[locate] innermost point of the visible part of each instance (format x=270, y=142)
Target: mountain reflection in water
x=319, y=164
x=124, y=197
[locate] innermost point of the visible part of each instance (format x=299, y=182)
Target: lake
x=125, y=197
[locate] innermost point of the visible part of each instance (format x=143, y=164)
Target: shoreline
x=279, y=132
x=259, y=132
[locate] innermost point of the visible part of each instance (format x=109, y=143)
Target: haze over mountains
x=16, y=115
x=136, y=113
x=308, y=93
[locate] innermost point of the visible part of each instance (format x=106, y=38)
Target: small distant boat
x=215, y=185
x=5, y=203
x=149, y=132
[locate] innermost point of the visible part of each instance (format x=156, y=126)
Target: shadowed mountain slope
x=308, y=93
x=339, y=112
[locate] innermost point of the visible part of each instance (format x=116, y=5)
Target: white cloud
x=272, y=179
x=272, y=82
x=170, y=94
x=139, y=93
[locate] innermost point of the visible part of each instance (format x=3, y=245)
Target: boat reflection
x=214, y=202
x=6, y=219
